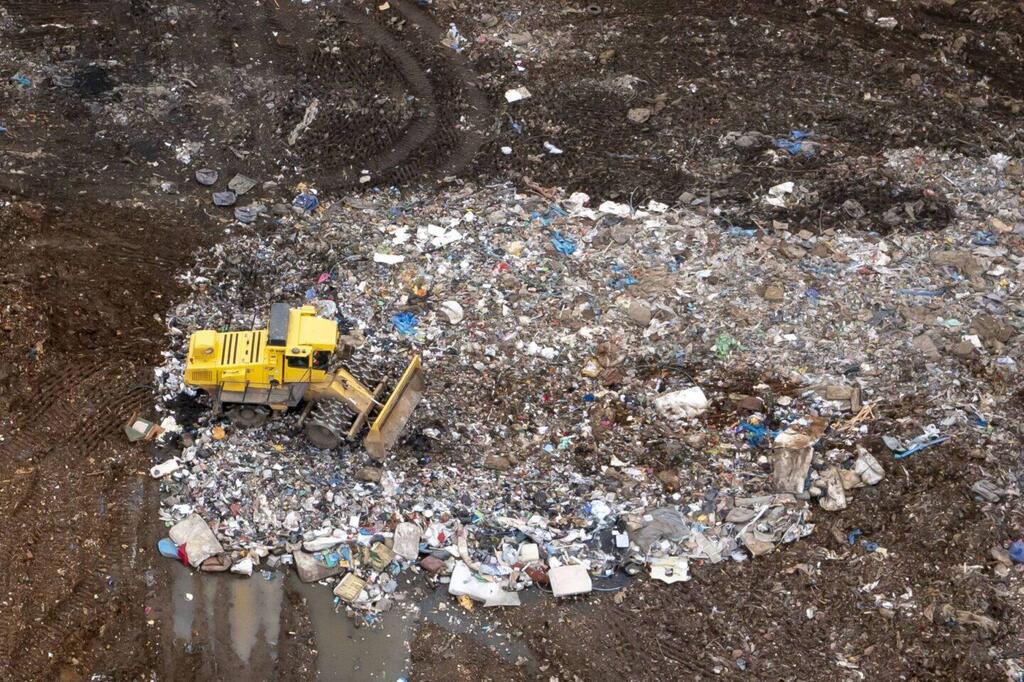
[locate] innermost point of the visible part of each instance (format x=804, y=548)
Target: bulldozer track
x=397, y=147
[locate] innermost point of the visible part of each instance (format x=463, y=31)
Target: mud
x=97, y=217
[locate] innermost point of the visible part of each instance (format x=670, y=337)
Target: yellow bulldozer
x=249, y=373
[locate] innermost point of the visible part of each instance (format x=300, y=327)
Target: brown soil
x=92, y=241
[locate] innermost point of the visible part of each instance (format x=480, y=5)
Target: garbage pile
x=610, y=388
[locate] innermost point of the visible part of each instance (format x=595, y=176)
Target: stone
x=639, y=115
x=640, y=313
x=773, y=293
x=926, y=347
x=670, y=479
x=755, y=546
x=497, y=463
x=838, y=392
x=369, y=474
x=991, y=328
x=961, y=260
x=964, y=349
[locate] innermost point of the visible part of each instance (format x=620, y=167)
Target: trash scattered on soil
x=557, y=490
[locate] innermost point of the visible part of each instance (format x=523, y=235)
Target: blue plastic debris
x=919, y=444
x=405, y=323
x=869, y=545
x=622, y=279
x=929, y=293
x=554, y=211
x=22, y=80
x=795, y=146
x=852, y=536
x=1017, y=551
x=306, y=201
x=563, y=244
x=984, y=238
x=758, y=432
x=310, y=294
x=813, y=294
x=735, y=231
x=167, y=548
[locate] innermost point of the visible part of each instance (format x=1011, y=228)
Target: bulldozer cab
x=307, y=342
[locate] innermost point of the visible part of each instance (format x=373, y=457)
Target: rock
x=961, y=260
x=369, y=474
x=755, y=546
x=497, y=463
x=750, y=403
x=311, y=570
x=639, y=115
x=670, y=479
x=292, y=520
x=521, y=38
x=964, y=349
x=838, y=392
x=926, y=347
x=640, y=313
x=773, y=293
x=606, y=56
x=991, y=328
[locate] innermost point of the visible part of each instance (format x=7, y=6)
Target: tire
x=321, y=436
x=248, y=416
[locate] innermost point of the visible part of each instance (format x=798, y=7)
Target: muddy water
x=237, y=620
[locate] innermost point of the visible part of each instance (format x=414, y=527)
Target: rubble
x=559, y=327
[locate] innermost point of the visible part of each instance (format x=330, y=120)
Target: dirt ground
x=97, y=216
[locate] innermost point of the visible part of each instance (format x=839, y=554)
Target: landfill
x=600, y=333
x=712, y=310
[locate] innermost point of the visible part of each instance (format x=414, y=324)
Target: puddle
x=380, y=653
x=253, y=609
x=346, y=652
x=184, y=610
x=254, y=613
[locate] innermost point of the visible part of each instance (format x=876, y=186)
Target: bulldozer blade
x=396, y=411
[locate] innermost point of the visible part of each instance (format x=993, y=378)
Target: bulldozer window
x=321, y=359
x=298, y=363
